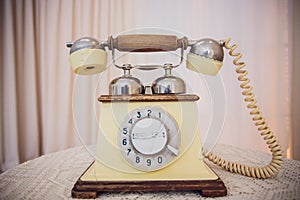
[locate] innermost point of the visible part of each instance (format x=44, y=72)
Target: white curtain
x=44, y=107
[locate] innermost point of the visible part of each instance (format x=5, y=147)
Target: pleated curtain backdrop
x=40, y=95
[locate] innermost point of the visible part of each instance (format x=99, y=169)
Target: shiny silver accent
x=168, y=84
x=103, y=43
x=148, y=89
x=181, y=55
x=192, y=42
x=126, y=84
x=113, y=53
x=148, y=67
x=84, y=43
x=222, y=42
x=69, y=44
x=173, y=150
x=208, y=48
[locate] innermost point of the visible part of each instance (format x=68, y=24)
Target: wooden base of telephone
x=91, y=189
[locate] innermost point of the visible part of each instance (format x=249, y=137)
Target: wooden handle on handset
x=147, y=43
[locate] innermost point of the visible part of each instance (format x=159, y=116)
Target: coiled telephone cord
x=273, y=167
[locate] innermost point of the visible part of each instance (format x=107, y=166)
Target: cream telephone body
x=147, y=140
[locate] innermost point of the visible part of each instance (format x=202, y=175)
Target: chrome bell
x=126, y=84
x=168, y=84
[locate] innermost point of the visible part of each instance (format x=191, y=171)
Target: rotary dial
x=149, y=138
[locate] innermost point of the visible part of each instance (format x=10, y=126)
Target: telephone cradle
x=150, y=141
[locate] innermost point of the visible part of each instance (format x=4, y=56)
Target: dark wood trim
x=91, y=189
x=148, y=98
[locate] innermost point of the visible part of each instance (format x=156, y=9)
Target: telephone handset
x=150, y=134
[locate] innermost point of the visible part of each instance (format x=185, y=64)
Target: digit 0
x=159, y=160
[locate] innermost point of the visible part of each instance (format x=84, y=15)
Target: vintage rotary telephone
x=149, y=141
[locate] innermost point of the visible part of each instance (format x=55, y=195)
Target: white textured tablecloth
x=52, y=176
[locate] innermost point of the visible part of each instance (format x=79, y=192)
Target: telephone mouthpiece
x=205, y=56
x=87, y=56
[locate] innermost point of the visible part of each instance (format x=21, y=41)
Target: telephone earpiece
x=87, y=56
x=206, y=57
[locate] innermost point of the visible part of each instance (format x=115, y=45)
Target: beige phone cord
x=273, y=167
